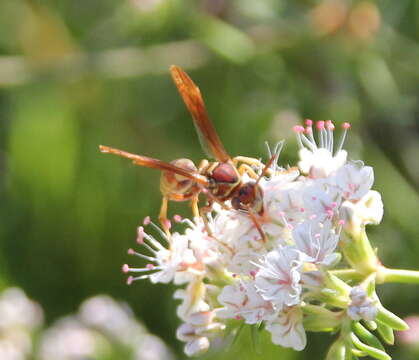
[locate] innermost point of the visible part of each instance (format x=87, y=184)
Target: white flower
x=368, y=210
x=278, y=278
x=287, y=329
x=197, y=346
x=321, y=200
x=318, y=159
x=316, y=241
x=238, y=241
x=197, y=331
x=355, y=180
x=176, y=262
x=242, y=301
x=193, y=299
x=284, y=209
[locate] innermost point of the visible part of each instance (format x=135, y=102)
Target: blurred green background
x=76, y=74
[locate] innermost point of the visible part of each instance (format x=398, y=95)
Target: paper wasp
x=220, y=180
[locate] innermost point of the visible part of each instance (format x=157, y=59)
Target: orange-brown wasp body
x=221, y=180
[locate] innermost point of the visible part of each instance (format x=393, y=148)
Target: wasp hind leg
x=164, y=221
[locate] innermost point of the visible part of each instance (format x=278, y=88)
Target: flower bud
x=197, y=346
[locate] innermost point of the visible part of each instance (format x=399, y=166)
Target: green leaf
x=358, y=353
x=337, y=351
x=386, y=332
x=371, y=351
x=390, y=319
x=371, y=325
x=367, y=336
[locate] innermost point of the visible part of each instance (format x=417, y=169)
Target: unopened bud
x=197, y=346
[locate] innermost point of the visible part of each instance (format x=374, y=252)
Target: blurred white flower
x=113, y=318
x=68, y=339
x=16, y=310
x=100, y=323
x=20, y=317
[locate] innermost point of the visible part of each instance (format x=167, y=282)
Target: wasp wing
x=149, y=162
x=192, y=97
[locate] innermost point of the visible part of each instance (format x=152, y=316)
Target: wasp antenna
x=267, y=166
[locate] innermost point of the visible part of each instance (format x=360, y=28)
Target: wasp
x=219, y=180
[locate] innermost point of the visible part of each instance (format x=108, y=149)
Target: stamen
x=140, y=235
x=298, y=129
x=320, y=128
x=131, y=279
x=311, y=145
x=177, y=218
x=160, y=231
x=125, y=268
x=309, y=132
x=330, y=127
x=345, y=127
x=133, y=252
x=146, y=220
x=141, y=270
x=188, y=222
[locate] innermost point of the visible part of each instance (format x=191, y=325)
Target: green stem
x=359, y=253
x=347, y=274
x=398, y=276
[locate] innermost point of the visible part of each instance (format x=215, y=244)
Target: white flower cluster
x=20, y=317
x=101, y=325
x=283, y=280
x=103, y=328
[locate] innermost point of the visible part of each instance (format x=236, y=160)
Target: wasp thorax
x=223, y=179
x=177, y=187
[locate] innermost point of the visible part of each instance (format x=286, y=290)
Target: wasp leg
x=250, y=162
x=246, y=169
x=202, y=165
x=203, y=211
x=247, y=160
x=164, y=221
x=256, y=223
x=194, y=206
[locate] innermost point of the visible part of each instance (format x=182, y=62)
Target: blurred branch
x=115, y=63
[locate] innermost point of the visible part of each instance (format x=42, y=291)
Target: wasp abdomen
x=177, y=187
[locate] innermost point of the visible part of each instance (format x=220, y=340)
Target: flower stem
x=398, y=276
x=347, y=274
